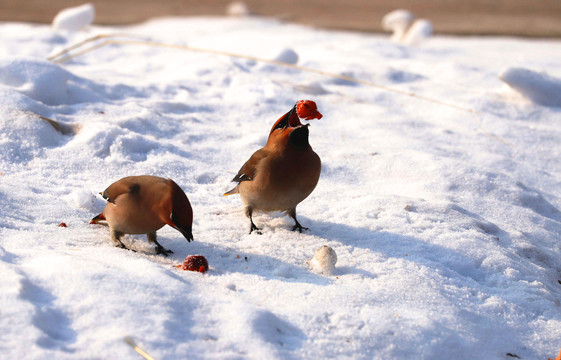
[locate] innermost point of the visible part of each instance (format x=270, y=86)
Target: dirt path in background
x=467, y=17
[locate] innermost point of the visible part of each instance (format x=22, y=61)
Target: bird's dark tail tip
x=97, y=219
x=232, y=191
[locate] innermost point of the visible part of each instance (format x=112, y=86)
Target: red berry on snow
x=195, y=263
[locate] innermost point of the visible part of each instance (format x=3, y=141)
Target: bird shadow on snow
x=449, y=262
x=224, y=259
x=231, y=260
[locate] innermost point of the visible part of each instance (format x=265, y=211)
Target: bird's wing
x=248, y=170
x=120, y=187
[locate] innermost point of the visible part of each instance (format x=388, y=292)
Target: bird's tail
x=97, y=219
x=235, y=190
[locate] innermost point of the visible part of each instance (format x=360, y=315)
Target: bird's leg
x=116, y=238
x=159, y=248
x=292, y=214
x=249, y=213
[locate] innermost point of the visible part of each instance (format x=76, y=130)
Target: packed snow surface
x=446, y=222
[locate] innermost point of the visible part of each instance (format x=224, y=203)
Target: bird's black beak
x=284, y=122
x=186, y=232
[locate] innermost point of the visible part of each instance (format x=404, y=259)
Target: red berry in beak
x=308, y=110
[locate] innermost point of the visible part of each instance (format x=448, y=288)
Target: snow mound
x=24, y=136
x=44, y=81
x=405, y=29
x=287, y=56
x=74, y=18
x=541, y=88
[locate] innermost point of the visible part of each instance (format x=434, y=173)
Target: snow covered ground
x=446, y=223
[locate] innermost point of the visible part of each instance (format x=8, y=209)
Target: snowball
x=287, y=56
x=324, y=260
x=405, y=31
x=74, y=18
x=397, y=21
x=538, y=87
x=238, y=8
x=419, y=31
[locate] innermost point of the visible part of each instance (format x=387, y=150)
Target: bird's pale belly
x=273, y=199
x=136, y=221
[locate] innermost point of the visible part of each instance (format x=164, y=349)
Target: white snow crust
x=446, y=223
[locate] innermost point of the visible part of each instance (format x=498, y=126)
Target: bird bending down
x=284, y=172
x=144, y=204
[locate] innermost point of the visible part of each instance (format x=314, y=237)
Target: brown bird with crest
x=144, y=204
x=284, y=172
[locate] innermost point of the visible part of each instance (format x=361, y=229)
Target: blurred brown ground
x=538, y=18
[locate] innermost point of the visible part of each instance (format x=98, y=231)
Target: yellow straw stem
x=252, y=58
x=142, y=353
x=239, y=56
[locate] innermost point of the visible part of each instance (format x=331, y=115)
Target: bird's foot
x=122, y=246
x=299, y=227
x=160, y=250
x=256, y=229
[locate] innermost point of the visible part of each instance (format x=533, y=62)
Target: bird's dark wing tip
x=241, y=177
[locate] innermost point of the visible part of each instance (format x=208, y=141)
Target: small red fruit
x=308, y=110
x=62, y=225
x=195, y=263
